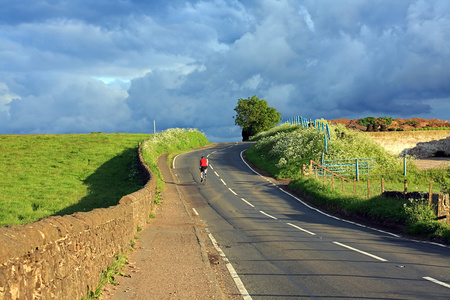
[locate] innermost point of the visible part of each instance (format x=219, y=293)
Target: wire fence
x=352, y=186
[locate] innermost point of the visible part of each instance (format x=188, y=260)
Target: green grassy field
x=44, y=175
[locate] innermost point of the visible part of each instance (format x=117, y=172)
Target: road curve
x=281, y=248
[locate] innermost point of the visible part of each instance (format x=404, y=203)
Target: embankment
x=62, y=257
x=425, y=143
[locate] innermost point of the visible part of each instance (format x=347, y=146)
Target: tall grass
x=175, y=139
x=283, y=150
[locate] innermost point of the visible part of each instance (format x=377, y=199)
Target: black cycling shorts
x=203, y=168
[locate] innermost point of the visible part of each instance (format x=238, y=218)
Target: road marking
x=437, y=282
x=232, y=191
x=216, y=174
x=211, y=167
x=223, y=181
x=195, y=211
x=299, y=228
x=231, y=269
x=362, y=252
x=268, y=215
x=247, y=202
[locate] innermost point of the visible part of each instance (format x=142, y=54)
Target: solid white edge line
x=233, y=273
x=299, y=228
x=232, y=191
x=195, y=211
x=247, y=202
x=437, y=282
x=313, y=208
x=360, y=251
x=223, y=181
x=266, y=214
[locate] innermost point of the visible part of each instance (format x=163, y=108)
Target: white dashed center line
x=299, y=228
x=362, y=252
x=268, y=215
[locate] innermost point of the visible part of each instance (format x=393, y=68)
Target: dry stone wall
x=61, y=257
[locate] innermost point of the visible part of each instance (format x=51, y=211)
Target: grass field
x=44, y=175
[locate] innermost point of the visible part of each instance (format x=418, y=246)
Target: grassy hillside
x=282, y=151
x=44, y=175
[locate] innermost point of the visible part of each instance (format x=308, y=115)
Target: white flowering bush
x=288, y=147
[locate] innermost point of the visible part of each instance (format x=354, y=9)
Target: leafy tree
x=254, y=115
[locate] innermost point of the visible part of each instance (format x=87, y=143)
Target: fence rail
x=350, y=167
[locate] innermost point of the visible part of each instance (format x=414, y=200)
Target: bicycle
x=203, y=176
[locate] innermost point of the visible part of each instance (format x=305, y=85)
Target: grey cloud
x=185, y=63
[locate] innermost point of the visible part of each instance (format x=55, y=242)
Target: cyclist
x=203, y=167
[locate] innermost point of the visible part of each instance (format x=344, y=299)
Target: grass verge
x=282, y=151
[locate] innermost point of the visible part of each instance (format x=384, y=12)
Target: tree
x=254, y=115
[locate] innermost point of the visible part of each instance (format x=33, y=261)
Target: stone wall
x=423, y=143
x=62, y=257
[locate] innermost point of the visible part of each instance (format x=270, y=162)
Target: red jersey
x=203, y=162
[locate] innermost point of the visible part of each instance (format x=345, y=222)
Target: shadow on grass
x=109, y=183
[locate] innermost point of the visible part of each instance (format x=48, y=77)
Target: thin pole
x=430, y=194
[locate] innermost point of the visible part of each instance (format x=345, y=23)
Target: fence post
x=406, y=187
x=382, y=185
x=404, y=166
x=328, y=131
x=303, y=170
x=324, y=177
x=310, y=168
x=354, y=186
x=343, y=186
x=357, y=170
x=430, y=194
x=368, y=188
x=332, y=180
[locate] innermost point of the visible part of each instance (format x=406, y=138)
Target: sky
x=84, y=66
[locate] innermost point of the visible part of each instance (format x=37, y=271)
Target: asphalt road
x=282, y=248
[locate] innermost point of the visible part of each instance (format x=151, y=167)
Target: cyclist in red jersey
x=203, y=166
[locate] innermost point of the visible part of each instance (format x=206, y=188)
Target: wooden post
x=382, y=185
x=315, y=169
x=343, y=186
x=332, y=181
x=406, y=187
x=310, y=168
x=368, y=188
x=324, y=177
x=303, y=170
x=354, y=186
x=430, y=194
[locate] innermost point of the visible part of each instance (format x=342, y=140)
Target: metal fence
x=350, y=167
